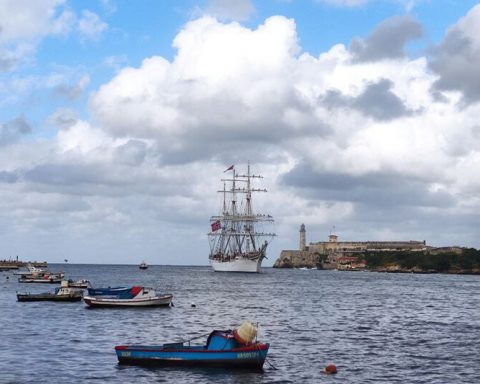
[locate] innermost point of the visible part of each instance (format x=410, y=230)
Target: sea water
x=375, y=327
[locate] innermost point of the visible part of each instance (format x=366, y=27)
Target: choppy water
x=376, y=328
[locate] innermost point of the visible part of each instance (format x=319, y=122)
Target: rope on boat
x=195, y=338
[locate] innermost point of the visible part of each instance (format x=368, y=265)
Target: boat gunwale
x=144, y=348
x=98, y=299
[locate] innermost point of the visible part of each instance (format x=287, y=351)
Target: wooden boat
x=222, y=349
x=64, y=293
x=136, y=296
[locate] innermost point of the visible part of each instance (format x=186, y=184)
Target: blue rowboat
x=222, y=350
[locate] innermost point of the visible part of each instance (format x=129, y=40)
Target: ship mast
x=238, y=235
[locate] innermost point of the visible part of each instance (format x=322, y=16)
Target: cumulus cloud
x=72, y=91
x=64, y=118
x=380, y=189
x=133, y=152
x=377, y=101
x=388, y=39
x=12, y=130
x=239, y=75
x=24, y=20
x=91, y=26
x=7, y=63
x=456, y=58
x=23, y=24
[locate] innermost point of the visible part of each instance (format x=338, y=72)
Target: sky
x=118, y=118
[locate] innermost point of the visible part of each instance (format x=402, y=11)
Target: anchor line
x=270, y=364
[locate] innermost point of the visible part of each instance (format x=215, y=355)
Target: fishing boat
x=234, y=349
x=143, y=265
x=32, y=270
x=136, y=296
x=40, y=275
x=46, y=278
x=239, y=237
x=63, y=293
x=83, y=283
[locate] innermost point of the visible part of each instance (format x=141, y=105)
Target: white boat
x=136, y=296
x=32, y=270
x=83, y=283
x=239, y=237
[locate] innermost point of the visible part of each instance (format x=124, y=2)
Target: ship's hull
x=237, y=265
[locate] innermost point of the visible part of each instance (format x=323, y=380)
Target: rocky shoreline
x=464, y=261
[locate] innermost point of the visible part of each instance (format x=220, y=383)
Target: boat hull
x=41, y=281
x=237, y=265
x=251, y=357
x=48, y=297
x=158, y=301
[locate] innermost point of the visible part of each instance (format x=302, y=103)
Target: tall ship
x=239, y=237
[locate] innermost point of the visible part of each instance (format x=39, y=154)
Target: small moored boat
x=40, y=275
x=64, y=293
x=49, y=278
x=136, y=296
x=79, y=283
x=234, y=349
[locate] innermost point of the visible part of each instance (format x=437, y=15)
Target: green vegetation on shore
x=465, y=261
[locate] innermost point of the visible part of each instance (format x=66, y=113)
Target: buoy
x=330, y=369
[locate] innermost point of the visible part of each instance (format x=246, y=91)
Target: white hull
x=143, y=302
x=238, y=265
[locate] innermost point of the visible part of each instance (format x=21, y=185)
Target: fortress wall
x=323, y=247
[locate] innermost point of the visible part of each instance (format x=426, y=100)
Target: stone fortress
x=334, y=254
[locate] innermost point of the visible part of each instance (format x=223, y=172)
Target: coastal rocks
x=296, y=259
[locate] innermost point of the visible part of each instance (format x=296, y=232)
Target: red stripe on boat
x=135, y=290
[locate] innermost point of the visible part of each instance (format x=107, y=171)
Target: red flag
x=216, y=226
x=229, y=168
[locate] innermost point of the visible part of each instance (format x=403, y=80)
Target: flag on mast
x=216, y=226
x=229, y=168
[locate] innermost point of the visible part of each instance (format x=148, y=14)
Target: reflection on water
x=376, y=328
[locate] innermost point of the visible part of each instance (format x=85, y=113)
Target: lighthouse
x=302, y=238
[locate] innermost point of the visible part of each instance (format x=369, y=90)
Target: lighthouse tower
x=302, y=238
